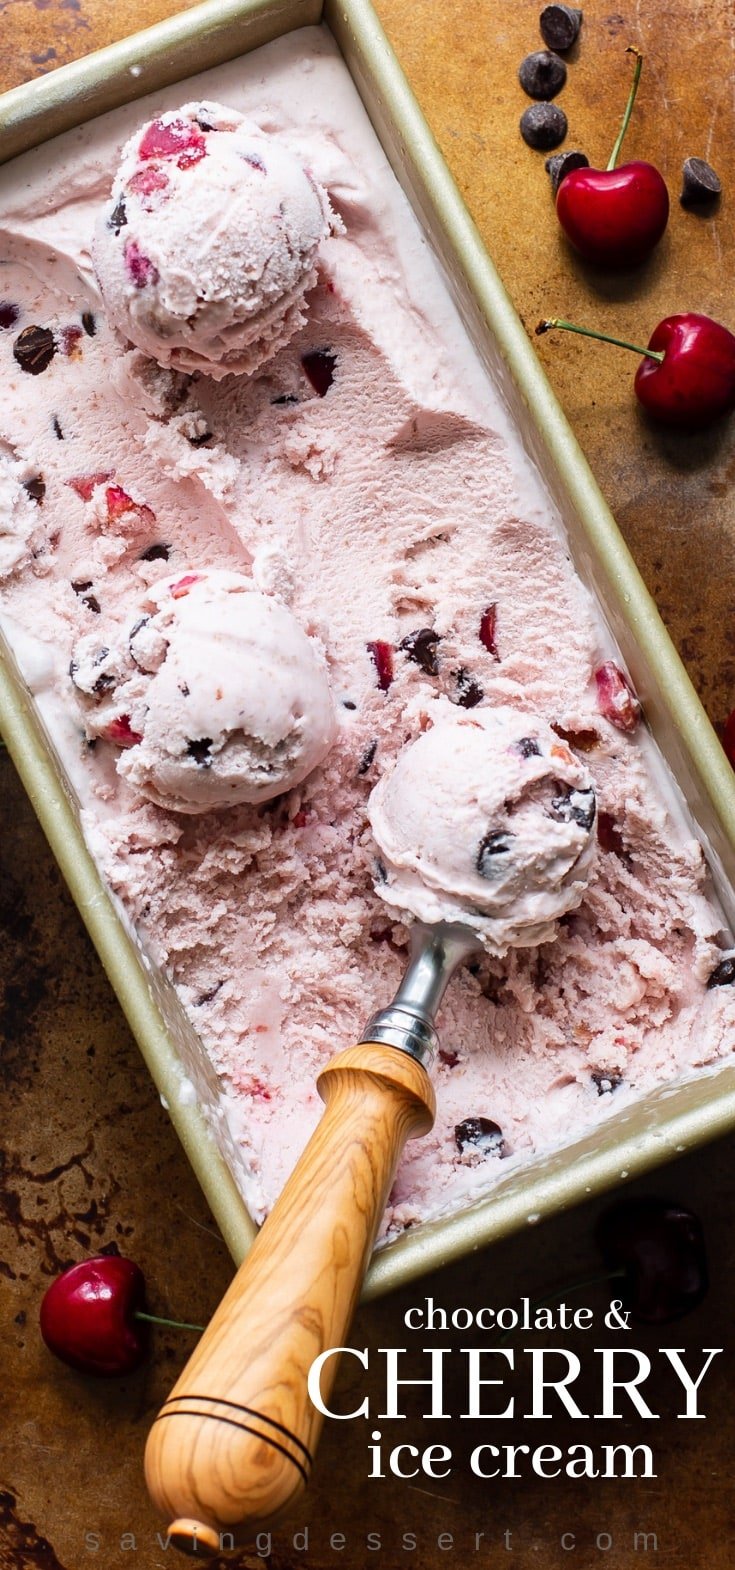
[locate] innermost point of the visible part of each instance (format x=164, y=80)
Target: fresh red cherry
x=93, y=1316
x=88, y=1316
x=615, y=216
x=660, y=1248
x=687, y=374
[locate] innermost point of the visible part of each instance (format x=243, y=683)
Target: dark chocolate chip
x=101, y=655
x=528, y=747
x=200, y=441
x=36, y=488
x=89, y=324
x=200, y=750
x=118, y=217
x=606, y=1080
x=543, y=126
x=542, y=75
x=184, y=689
x=90, y=600
x=560, y=25
x=206, y=997
x=103, y=683
x=469, y=691
x=155, y=553
x=34, y=349
x=494, y=845
x=284, y=399
x=723, y=974
x=700, y=183
x=347, y=703
x=381, y=875
x=9, y=313
x=58, y=433
x=141, y=622
x=368, y=757
x=319, y=366
x=421, y=647
x=561, y=164
x=484, y=1136
x=575, y=806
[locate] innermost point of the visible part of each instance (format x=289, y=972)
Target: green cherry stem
x=176, y=1324
x=615, y=154
x=589, y=332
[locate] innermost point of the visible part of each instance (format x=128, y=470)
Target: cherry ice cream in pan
x=335, y=447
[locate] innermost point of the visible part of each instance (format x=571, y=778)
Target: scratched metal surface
x=88, y=1155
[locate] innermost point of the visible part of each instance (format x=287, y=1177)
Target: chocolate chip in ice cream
x=469, y=692
x=421, y=647
x=368, y=757
x=480, y=1134
x=575, y=806
x=118, y=217
x=34, y=349
x=200, y=750
x=723, y=974
x=157, y=552
x=35, y=488
x=607, y=1080
x=490, y=852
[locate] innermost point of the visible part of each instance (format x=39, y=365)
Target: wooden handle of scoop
x=233, y=1445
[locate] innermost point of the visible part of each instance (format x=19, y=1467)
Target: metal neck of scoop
x=408, y=1022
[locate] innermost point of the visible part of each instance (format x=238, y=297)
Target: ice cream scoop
x=208, y=244
x=233, y=1445
x=486, y=819
x=213, y=692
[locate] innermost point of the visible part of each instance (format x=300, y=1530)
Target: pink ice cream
x=369, y=480
x=486, y=819
x=216, y=693
x=208, y=245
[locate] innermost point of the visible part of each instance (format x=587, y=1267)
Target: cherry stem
x=589, y=332
x=176, y=1324
x=576, y=1286
x=631, y=50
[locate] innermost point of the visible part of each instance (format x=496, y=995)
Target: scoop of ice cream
x=213, y=691
x=208, y=244
x=487, y=819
